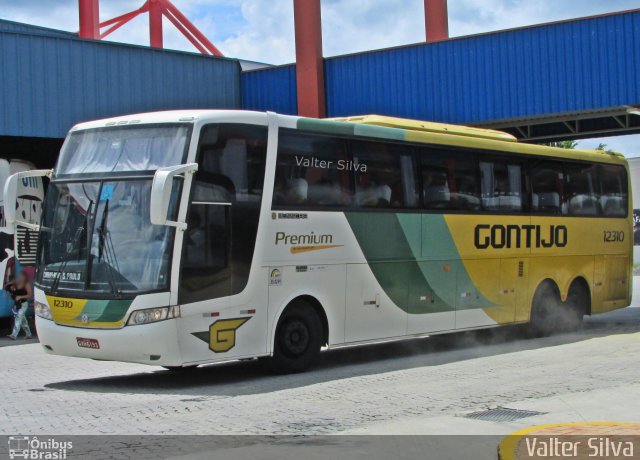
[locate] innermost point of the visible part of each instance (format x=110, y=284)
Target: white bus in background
x=18, y=244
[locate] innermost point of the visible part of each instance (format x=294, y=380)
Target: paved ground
x=414, y=387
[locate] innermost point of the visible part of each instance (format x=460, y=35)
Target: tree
x=564, y=144
x=603, y=147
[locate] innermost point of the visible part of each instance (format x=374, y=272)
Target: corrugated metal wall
x=12, y=26
x=49, y=83
x=270, y=89
x=566, y=67
x=50, y=80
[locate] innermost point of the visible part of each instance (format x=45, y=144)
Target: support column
x=155, y=24
x=89, y=19
x=309, y=62
x=436, y=20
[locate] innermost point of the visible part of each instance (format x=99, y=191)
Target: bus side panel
x=611, y=283
x=594, y=249
x=226, y=328
x=492, y=280
x=306, y=253
x=326, y=283
x=373, y=312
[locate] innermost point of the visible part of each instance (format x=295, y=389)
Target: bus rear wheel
x=549, y=314
x=298, y=339
x=577, y=305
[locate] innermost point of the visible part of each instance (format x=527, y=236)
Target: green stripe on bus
x=326, y=126
x=415, y=260
x=105, y=311
x=381, y=132
x=393, y=263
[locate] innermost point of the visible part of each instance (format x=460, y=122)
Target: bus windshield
x=96, y=236
x=123, y=148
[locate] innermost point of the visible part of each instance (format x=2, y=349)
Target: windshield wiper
x=105, y=247
x=76, y=240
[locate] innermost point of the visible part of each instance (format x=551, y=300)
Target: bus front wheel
x=298, y=339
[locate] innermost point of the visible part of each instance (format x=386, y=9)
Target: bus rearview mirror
x=161, y=193
x=10, y=196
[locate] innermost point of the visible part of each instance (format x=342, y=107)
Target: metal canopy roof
x=570, y=79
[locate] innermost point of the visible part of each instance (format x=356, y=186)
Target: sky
x=262, y=30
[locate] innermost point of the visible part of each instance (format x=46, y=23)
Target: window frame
x=190, y=201
x=418, y=149
x=626, y=188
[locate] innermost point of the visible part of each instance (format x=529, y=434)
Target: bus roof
x=438, y=133
x=429, y=127
x=376, y=126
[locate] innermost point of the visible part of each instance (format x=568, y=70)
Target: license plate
x=88, y=343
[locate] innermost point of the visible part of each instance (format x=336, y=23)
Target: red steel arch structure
x=92, y=28
x=308, y=32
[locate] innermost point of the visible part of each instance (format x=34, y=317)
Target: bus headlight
x=153, y=315
x=42, y=310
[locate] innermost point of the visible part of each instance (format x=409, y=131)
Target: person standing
x=21, y=292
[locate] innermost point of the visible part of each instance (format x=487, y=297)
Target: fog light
x=42, y=310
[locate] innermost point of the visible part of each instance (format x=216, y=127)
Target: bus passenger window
x=580, y=190
x=312, y=171
x=501, y=186
x=385, y=175
x=449, y=183
x=231, y=163
x=613, y=189
x=547, y=187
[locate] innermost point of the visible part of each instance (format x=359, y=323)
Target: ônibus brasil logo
x=30, y=447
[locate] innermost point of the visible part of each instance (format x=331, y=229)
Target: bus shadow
x=253, y=377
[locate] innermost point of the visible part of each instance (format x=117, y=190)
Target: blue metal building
x=50, y=80
x=573, y=78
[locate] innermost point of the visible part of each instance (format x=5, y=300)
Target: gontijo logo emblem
x=306, y=243
x=221, y=336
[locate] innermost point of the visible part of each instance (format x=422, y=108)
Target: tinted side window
x=312, y=171
x=581, y=181
x=385, y=175
x=547, y=187
x=613, y=188
x=449, y=181
x=231, y=163
x=501, y=186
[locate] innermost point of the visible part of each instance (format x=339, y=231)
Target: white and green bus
x=183, y=238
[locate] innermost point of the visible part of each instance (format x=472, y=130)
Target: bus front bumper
x=155, y=343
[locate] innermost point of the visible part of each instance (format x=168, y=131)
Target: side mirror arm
x=161, y=193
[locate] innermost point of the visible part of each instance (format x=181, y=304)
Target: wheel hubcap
x=295, y=337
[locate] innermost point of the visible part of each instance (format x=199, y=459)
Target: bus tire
x=544, y=309
x=577, y=305
x=298, y=339
x=549, y=314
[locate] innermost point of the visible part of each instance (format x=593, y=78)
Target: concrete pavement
x=422, y=386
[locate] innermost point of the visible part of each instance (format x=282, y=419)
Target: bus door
x=219, y=243
x=207, y=249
